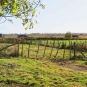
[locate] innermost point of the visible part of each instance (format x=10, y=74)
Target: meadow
x=21, y=72
x=43, y=63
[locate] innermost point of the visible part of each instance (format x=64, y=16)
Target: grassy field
x=49, y=51
x=39, y=71
x=59, y=42
x=21, y=72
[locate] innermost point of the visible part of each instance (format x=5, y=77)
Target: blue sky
x=59, y=16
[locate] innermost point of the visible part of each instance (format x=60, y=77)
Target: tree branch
x=3, y=21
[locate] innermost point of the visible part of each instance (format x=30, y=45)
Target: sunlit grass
x=36, y=73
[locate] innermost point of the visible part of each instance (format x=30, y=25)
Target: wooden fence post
x=74, y=50
x=18, y=47
x=22, y=50
x=52, y=48
x=57, y=51
x=29, y=50
x=15, y=51
x=70, y=49
x=85, y=44
x=64, y=50
x=37, y=50
x=45, y=48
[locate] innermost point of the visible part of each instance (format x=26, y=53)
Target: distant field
x=42, y=36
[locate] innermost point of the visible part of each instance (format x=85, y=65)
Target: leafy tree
x=68, y=35
x=23, y=9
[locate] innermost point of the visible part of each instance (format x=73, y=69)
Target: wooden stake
x=45, y=48
x=29, y=50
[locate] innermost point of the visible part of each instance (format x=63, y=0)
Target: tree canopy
x=23, y=9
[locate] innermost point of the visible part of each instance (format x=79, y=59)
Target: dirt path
x=71, y=64
x=76, y=67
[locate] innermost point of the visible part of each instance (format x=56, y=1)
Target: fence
x=38, y=49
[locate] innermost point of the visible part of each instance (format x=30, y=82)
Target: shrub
x=11, y=51
x=68, y=35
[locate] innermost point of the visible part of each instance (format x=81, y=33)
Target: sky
x=59, y=16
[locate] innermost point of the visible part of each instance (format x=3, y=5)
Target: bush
x=9, y=52
x=68, y=35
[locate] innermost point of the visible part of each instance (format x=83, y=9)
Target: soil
x=71, y=64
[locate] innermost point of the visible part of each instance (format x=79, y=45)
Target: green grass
x=60, y=41
x=34, y=49
x=36, y=73
x=24, y=72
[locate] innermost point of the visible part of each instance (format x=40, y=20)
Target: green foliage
x=23, y=9
x=68, y=35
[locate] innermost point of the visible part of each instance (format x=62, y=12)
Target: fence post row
x=73, y=48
